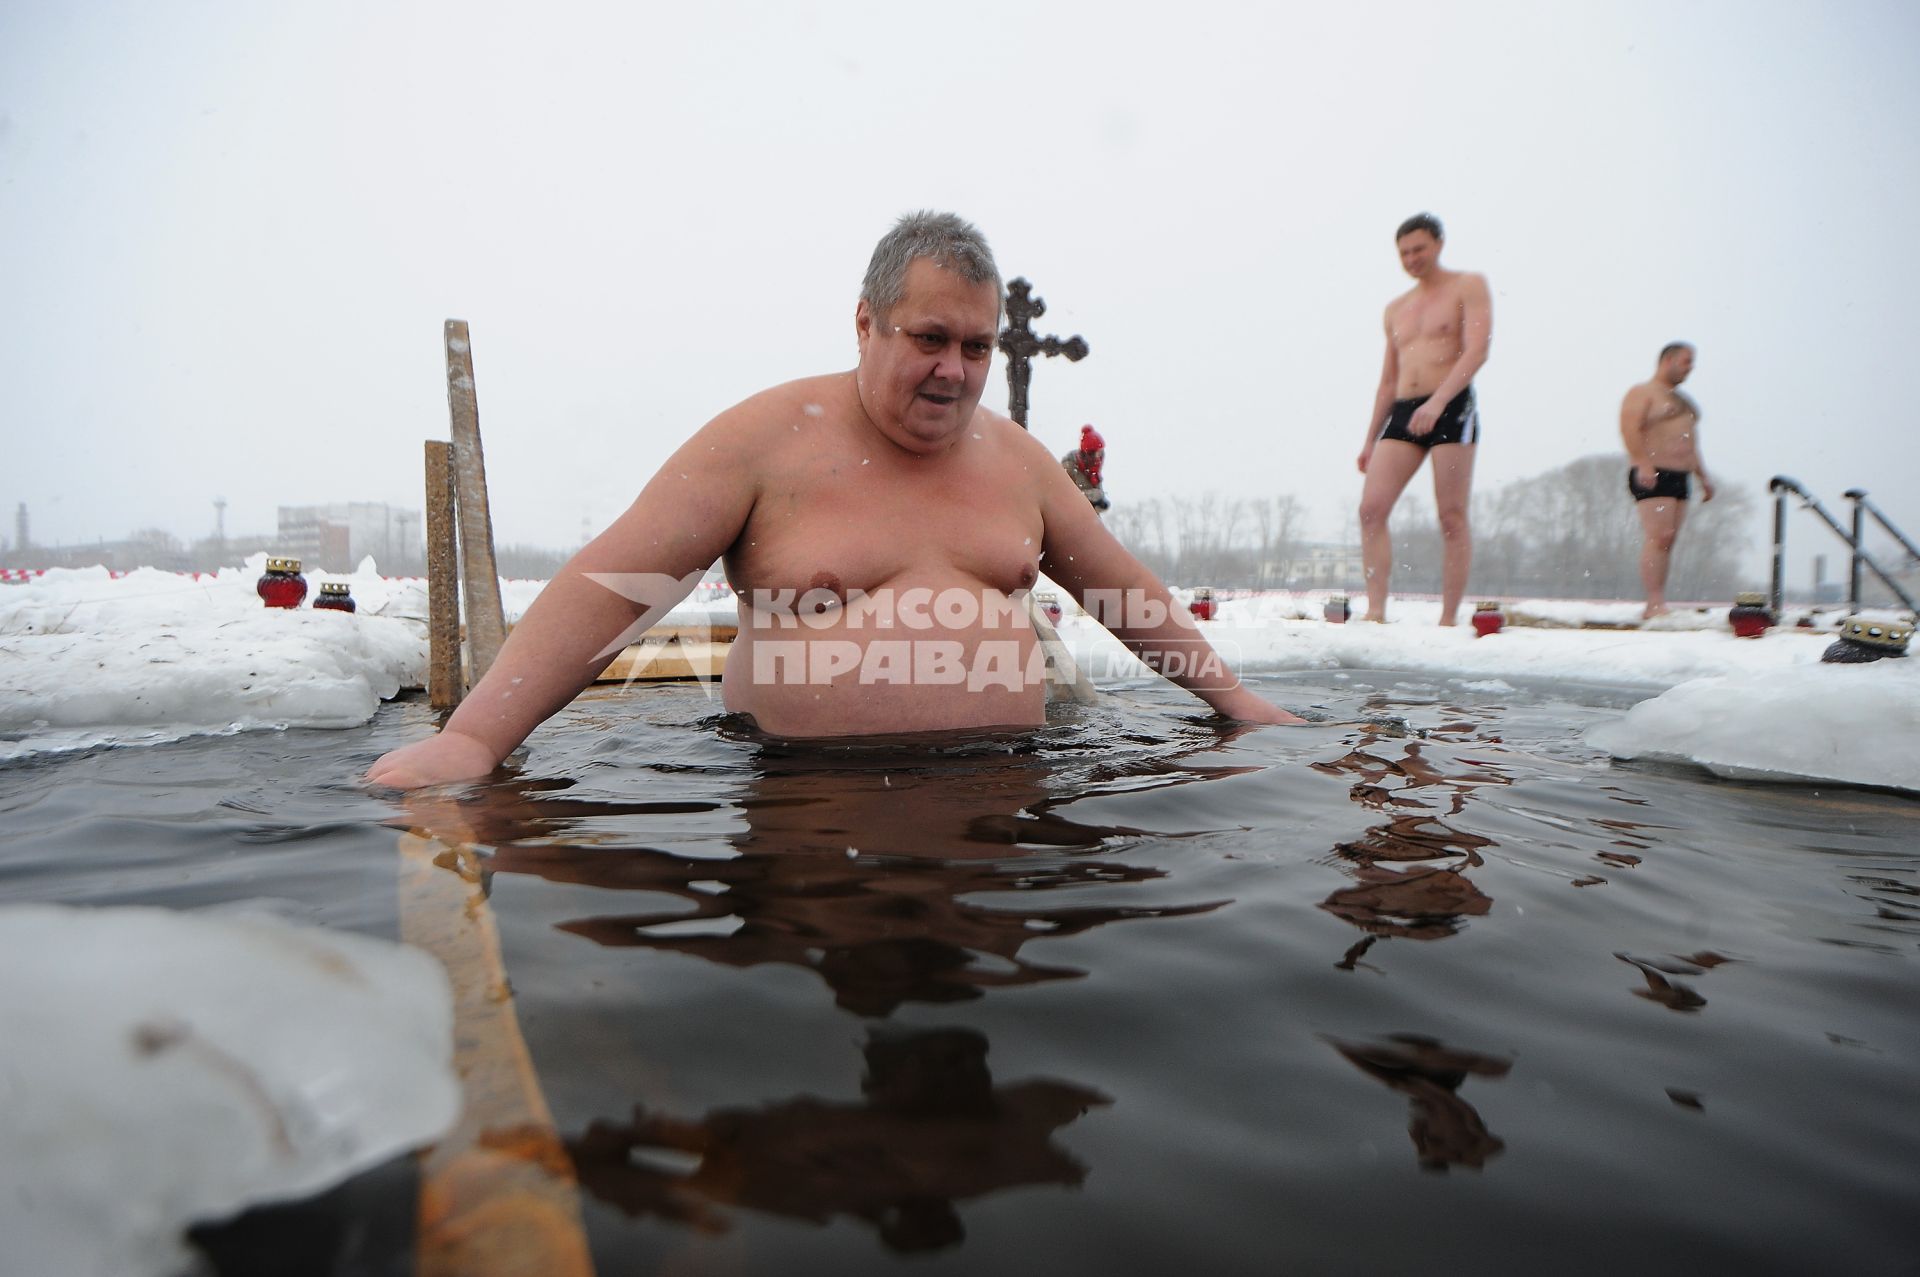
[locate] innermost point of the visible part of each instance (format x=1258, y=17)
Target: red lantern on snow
x=335, y=596
x=282, y=585
x=1749, y=616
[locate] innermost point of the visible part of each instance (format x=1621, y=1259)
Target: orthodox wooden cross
x=1020, y=345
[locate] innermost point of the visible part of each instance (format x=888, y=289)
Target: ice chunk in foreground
x=159, y=1068
x=1858, y=724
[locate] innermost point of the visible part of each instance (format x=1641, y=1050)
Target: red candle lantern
x=1202, y=604
x=1335, y=609
x=335, y=596
x=1050, y=607
x=1749, y=616
x=1488, y=619
x=282, y=585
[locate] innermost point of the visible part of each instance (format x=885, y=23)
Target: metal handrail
x=1780, y=485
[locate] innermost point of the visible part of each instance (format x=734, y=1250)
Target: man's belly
x=1674, y=454
x=1423, y=370
x=835, y=677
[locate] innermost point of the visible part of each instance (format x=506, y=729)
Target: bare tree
x=1573, y=533
x=1568, y=533
x=1275, y=518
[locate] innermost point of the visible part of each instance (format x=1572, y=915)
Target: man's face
x=923, y=368
x=1419, y=253
x=1679, y=365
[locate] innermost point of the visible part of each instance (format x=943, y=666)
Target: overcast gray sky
x=232, y=230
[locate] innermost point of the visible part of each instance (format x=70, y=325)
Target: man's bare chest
x=847, y=525
x=1428, y=321
x=1672, y=413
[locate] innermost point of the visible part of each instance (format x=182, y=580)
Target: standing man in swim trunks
x=1437, y=339
x=1661, y=428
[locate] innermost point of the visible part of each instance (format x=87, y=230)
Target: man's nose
x=949, y=366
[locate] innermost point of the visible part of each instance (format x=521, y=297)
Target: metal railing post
x=1853, y=560
x=1780, y=484
x=1776, y=594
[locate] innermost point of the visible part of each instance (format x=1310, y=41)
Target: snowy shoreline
x=90, y=659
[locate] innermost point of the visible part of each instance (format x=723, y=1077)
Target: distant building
x=150, y=549
x=334, y=538
x=1318, y=565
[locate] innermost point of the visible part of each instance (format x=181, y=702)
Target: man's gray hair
x=950, y=242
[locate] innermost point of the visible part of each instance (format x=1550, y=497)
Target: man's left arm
x=1122, y=594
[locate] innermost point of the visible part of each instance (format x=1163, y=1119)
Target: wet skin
x=886, y=479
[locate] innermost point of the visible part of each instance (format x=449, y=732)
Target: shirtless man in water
x=1437, y=339
x=878, y=526
x=1661, y=428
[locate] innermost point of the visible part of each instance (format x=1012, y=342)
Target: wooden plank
x=1519, y=619
x=665, y=655
x=444, y=685
x=498, y=1196
x=1079, y=688
x=486, y=622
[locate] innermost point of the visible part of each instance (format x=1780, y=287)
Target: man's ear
x=862, y=323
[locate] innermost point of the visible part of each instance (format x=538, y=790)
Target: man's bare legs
x=1388, y=469
x=1660, y=520
x=1452, y=490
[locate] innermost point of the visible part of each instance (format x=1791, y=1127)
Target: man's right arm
x=1382, y=395
x=1634, y=434
x=684, y=519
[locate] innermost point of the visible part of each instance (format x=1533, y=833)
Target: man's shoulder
x=819, y=394
x=788, y=406
x=1469, y=283
x=986, y=420
x=1011, y=444
x=1017, y=437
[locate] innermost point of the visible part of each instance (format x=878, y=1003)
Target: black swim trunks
x=1459, y=423
x=1666, y=483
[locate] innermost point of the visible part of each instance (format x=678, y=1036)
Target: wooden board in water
x=672, y=653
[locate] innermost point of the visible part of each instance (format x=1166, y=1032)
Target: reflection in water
x=1423, y=903
x=896, y=876
x=934, y=1130
x=1419, y=904
x=1446, y=1130
x=885, y=875
x=877, y=937
x=1672, y=994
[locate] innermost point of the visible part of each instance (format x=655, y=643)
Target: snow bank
x=1250, y=635
x=160, y=1068
x=1858, y=724
x=86, y=659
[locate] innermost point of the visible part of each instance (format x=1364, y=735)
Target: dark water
x=1138, y=995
